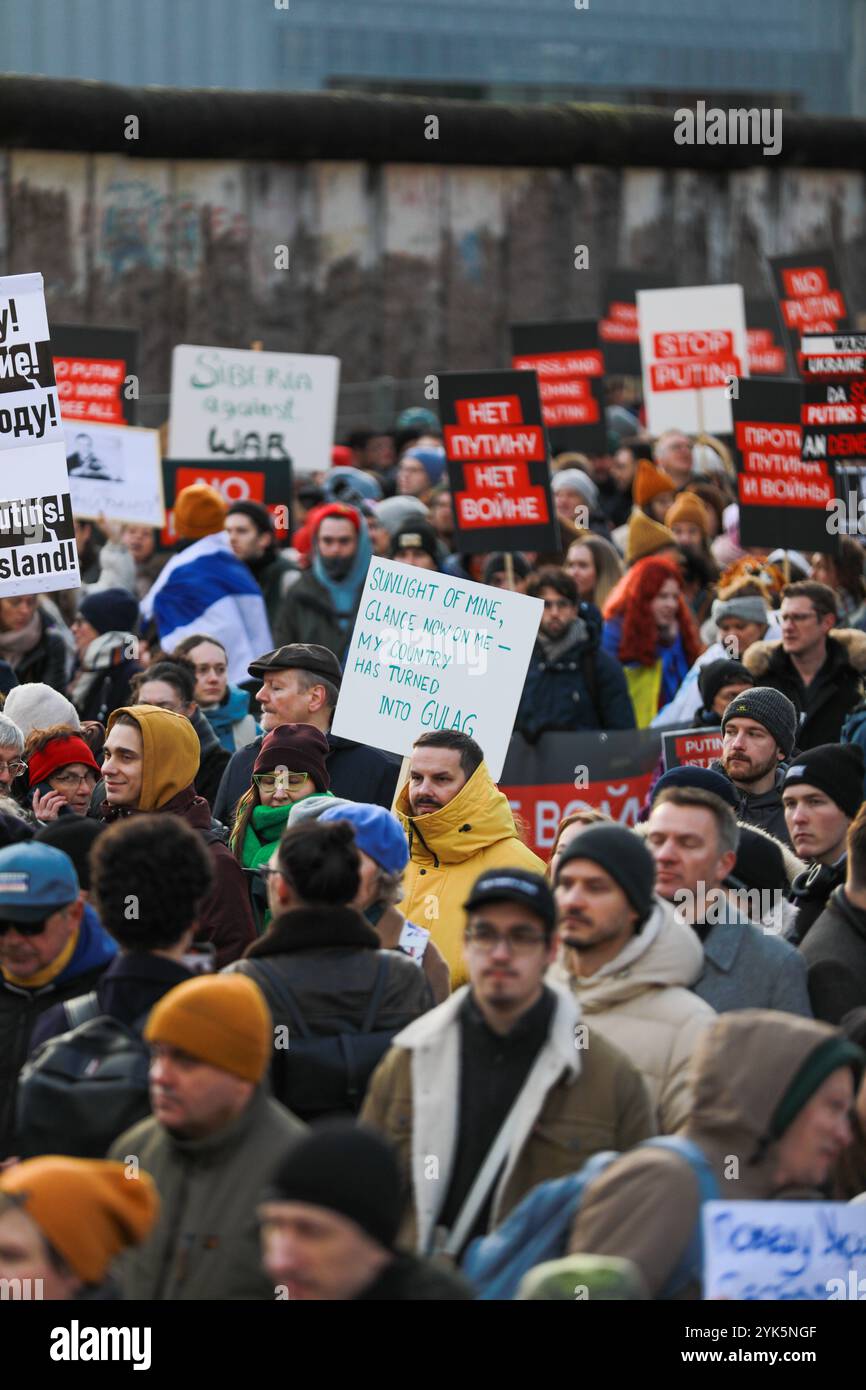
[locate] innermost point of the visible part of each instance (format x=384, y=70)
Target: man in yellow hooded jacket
x=151, y=759
x=459, y=824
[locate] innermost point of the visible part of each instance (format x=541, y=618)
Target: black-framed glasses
x=521, y=939
x=23, y=928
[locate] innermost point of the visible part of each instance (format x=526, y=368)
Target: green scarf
x=264, y=828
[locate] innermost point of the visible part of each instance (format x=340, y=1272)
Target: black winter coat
x=307, y=614
x=357, y=773
x=831, y=695
x=329, y=958
x=132, y=984
x=810, y=894
x=47, y=660
x=835, y=954
x=583, y=688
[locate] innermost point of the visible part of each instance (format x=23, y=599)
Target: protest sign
x=563, y=772
x=497, y=461
x=766, y=343
x=618, y=330
x=693, y=344
x=812, y=1251
x=114, y=471
x=96, y=371
x=432, y=652
x=691, y=747
x=268, y=482
x=229, y=404
x=808, y=289
x=783, y=496
x=569, y=365
x=37, y=534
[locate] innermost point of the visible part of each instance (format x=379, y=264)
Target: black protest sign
x=808, y=289
x=569, y=365
x=497, y=461
x=691, y=747
x=268, y=481
x=92, y=366
x=766, y=342
x=834, y=404
x=783, y=496
x=618, y=326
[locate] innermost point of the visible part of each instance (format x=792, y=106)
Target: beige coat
x=641, y=1002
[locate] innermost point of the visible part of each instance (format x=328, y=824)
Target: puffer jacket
x=641, y=1001
x=832, y=694
x=575, y=1102
x=448, y=849
x=581, y=687
x=645, y=1206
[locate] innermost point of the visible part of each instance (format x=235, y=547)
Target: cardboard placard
x=230, y=404
x=432, y=652
x=783, y=496
x=693, y=343
x=37, y=533
x=618, y=329
x=808, y=289
x=267, y=482
x=497, y=462
x=767, y=344
x=92, y=366
x=114, y=471
x=757, y=1251
x=562, y=772
x=691, y=747
x=569, y=364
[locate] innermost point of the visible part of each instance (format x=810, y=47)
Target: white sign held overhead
x=231, y=403
x=784, y=1250
x=433, y=652
x=115, y=471
x=692, y=343
x=37, y=534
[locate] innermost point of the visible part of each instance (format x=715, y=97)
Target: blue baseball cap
x=35, y=880
x=378, y=833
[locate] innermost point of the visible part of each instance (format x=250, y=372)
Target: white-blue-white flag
x=207, y=589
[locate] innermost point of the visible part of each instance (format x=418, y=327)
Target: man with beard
x=759, y=728
x=571, y=684
x=320, y=608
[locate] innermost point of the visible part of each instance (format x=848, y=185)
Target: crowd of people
x=282, y=1017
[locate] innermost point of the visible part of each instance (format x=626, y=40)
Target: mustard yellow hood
x=477, y=817
x=171, y=753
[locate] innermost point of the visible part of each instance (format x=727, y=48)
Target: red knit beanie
x=60, y=752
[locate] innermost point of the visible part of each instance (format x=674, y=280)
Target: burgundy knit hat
x=297, y=748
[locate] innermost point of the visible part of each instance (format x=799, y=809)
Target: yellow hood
x=476, y=818
x=171, y=753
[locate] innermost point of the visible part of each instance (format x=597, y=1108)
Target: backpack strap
x=376, y=996
x=81, y=1009
x=690, y=1265
x=278, y=993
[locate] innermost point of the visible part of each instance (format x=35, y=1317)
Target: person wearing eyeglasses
x=62, y=773
x=502, y=1086
x=50, y=950
x=290, y=767
x=12, y=762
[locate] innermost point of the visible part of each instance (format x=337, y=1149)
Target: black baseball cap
x=515, y=886
x=299, y=656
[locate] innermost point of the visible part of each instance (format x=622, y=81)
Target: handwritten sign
x=812, y=1251
x=692, y=342
x=432, y=652
x=114, y=471
x=229, y=404
x=37, y=534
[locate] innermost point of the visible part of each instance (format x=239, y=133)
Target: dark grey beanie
x=770, y=708
x=622, y=854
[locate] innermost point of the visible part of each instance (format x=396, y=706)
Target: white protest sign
x=229, y=403
x=784, y=1250
x=433, y=652
x=37, y=534
x=692, y=341
x=115, y=471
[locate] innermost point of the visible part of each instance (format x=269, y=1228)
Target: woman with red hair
x=650, y=629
